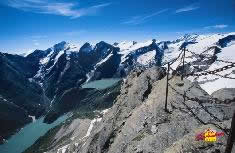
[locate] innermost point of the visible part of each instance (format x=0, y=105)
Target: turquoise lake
x=28, y=135
x=31, y=132
x=101, y=84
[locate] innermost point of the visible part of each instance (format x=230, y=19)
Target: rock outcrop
x=139, y=123
x=224, y=94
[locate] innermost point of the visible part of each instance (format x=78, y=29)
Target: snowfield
x=146, y=58
x=210, y=83
x=196, y=44
x=215, y=82
x=127, y=48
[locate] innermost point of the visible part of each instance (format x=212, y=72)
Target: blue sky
x=38, y=24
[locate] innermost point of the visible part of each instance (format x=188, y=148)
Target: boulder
x=224, y=94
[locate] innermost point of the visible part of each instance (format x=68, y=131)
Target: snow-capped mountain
x=103, y=60
x=48, y=74
x=64, y=66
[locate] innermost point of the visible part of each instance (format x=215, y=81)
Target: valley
x=85, y=81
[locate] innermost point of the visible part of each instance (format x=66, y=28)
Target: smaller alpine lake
x=101, y=84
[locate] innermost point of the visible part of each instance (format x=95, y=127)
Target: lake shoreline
x=27, y=135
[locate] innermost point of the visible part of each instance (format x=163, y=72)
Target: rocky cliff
x=49, y=81
x=138, y=122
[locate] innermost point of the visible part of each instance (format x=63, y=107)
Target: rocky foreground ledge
x=138, y=123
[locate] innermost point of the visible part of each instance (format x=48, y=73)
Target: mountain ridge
x=65, y=66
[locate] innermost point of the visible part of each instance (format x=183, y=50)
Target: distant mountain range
x=32, y=84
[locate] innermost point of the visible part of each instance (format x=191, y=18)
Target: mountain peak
x=61, y=46
x=186, y=38
x=115, y=44
x=102, y=44
x=87, y=47
x=189, y=37
x=134, y=42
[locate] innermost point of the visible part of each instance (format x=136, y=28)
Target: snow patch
x=67, y=66
x=62, y=149
x=104, y=60
x=29, y=52
x=214, y=83
x=30, y=80
x=39, y=73
x=73, y=47
x=58, y=56
x=89, y=75
x=125, y=45
x=128, y=47
x=52, y=100
x=146, y=58
x=105, y=111
x=33, y=118
x=91, y=126
x=231, y=43
x=46, y=59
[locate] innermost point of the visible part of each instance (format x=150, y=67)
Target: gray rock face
x=225, y=94
x=138, y=123
x=188, y=143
